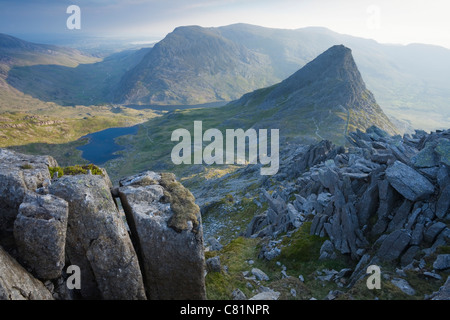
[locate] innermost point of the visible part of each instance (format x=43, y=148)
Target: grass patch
x=182, y=203
x=220, y=285
x=75, y=170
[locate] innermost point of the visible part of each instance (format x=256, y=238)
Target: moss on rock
x=182, y=203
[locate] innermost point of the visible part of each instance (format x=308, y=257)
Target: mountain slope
x=187, y=68
x=16, y=53
x=85, y=84
x=326, y=99
x=194, y=65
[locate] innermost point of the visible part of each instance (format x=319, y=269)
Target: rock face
x=17, y=284
x=18, y=174
x=48, y=225
x=40, y=234
x=97, y=240
x=166, y=226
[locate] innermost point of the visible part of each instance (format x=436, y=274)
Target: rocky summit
x=52, y=225
x=325, y=100
x=383, y=201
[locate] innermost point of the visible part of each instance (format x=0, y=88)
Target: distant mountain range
x=195, y=65
x=324, y=100
x=21, y=56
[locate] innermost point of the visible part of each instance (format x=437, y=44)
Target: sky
x=386, y=21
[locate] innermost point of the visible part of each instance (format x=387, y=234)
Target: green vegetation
x=220, y=285
x=56, y=124
x=75, y=170
x=182, y=203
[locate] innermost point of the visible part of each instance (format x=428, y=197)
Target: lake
x=101, y=146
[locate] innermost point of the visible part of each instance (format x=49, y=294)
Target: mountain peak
x=327, y=98
x=336, y=63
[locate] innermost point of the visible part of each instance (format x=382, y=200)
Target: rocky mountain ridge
x=248, y=57
x=327, y=98
x=383, y=202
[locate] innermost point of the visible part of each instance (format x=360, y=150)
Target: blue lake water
x=101, y=146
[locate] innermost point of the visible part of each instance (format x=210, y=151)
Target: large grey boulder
x=433, y=231
x=260, y=275
x=403, y=285
x=19, y=173
x=40, y=234
x=408, y=182
x=17, y=284
x=166, y=226
x=394, y=245
x=442, y=262
x=97, y=240
x=426, y=158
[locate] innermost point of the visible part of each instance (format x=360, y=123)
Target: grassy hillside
x=55, y=130
x=85, y=84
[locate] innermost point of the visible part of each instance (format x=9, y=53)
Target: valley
x=363, y=152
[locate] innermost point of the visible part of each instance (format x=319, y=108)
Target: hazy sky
x=387, y=21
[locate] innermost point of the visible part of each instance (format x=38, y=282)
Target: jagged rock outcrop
x=97, y=240
x=166, y=225
x=48, y=225
x=384, y=200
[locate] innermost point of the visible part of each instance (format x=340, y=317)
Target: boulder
x=40, y=234
x=258, y=223
x=260, y=275
x=368, y=204
x=278, y=205
x=394, y=245
x=426, y=158
x=327, y=251
x=214, y=244
x=433, y=231
x=403, y=285
x=165, y=224
x=238, y=295
x=19, y=173
x=400, y=216
x=408, y=182
x=409, y=255
x=213, y=264
x=315, y=154
x=442, y=262
x=266, y=295
x=97, y=240
x=17, y=284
